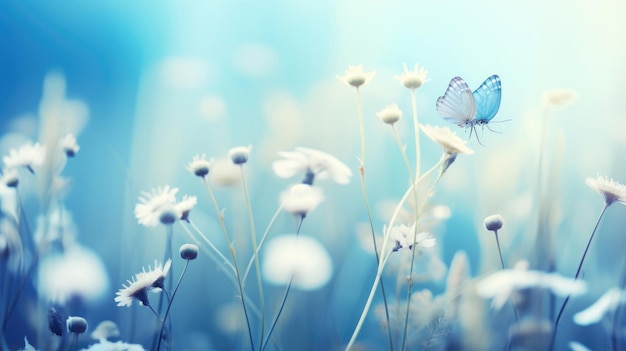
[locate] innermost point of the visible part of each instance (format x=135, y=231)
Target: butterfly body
x=468, y=109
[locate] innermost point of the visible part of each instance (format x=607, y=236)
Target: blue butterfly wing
x=457, y=104
x=487, y=98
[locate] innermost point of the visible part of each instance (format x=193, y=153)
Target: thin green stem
x=412, y=177
x=618, y=310
x=231, y=249
x=369, y=213
x=580, y=266
x=169, y=305
x=417, y=134
x=419, y=209
x=285, y=295
x=208, y=242
x=256, y=253
x=503, y=268
x=265, y=234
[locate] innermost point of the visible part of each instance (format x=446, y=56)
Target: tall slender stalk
x=261, y=242
x=231, y=249
x=369, y=213
x=503, y=268
x=580, y=266
x=169, y=305
x=285, y=295
x=383, y=262
x=618, y=310
x=418, y=209
x=256, y=253
x=417, y=134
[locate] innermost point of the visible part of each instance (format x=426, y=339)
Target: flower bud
x=76, y=325
x=494, y=222
x=188, y=251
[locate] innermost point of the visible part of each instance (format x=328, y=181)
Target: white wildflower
x=447, y=139
x=413, y=79
x=199, y=166
x=355, y=76
x=27, y=156
x=69, y=145
x=157, y=206
x=313, y=163
x=299, y=199
x=390, y=114
x=611, y=190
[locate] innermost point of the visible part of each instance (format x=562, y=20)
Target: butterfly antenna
x=495, y=131
x=506, y=120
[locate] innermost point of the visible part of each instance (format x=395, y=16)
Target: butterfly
x=468, y=109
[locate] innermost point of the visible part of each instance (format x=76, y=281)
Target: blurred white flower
x=300, y=258
x=69, y=145
x=502, y=284
x=199, y=166
x=225, y=173
x=76, y=325
x=611, y=190
x=403, y=236
x=240, y=154
x=413, y=79
x=559, y=98
x=606, y=303
x=355, y=76
x=185, y=206
x=105, y=330
x=78, y=272
x=28, y=156
x=576, y=346
x=299, y=199
x=313, y=163
x=390, y=114
x=447, y=139
x=105, y=345
x=157, y=206
x=141, y=283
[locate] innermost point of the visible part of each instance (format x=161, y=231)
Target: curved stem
x=369, y=213
x=265, y=234
x=256, y=253
x=503, y=268
x=417, y=134
x=208, y=242
x=419, y=209
x=231, y=249
x=285, y=295
x=169, y=305
x=617, y=313
x=580, y=266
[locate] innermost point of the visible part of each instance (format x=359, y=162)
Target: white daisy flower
x=137, y=289
x=413, y=79
x=141, y=283
x=313, y=163
x=28, y=156
x=355, y=76
x=69, y=145
x=390, y=114
x=157, y=206
x=199, y=166
x=185, y=206
x=299, y=199
x=240, y=154
x=610, y=189
x=156, y=275
x=502, y=284
x=447, y=139
x=403, y=236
